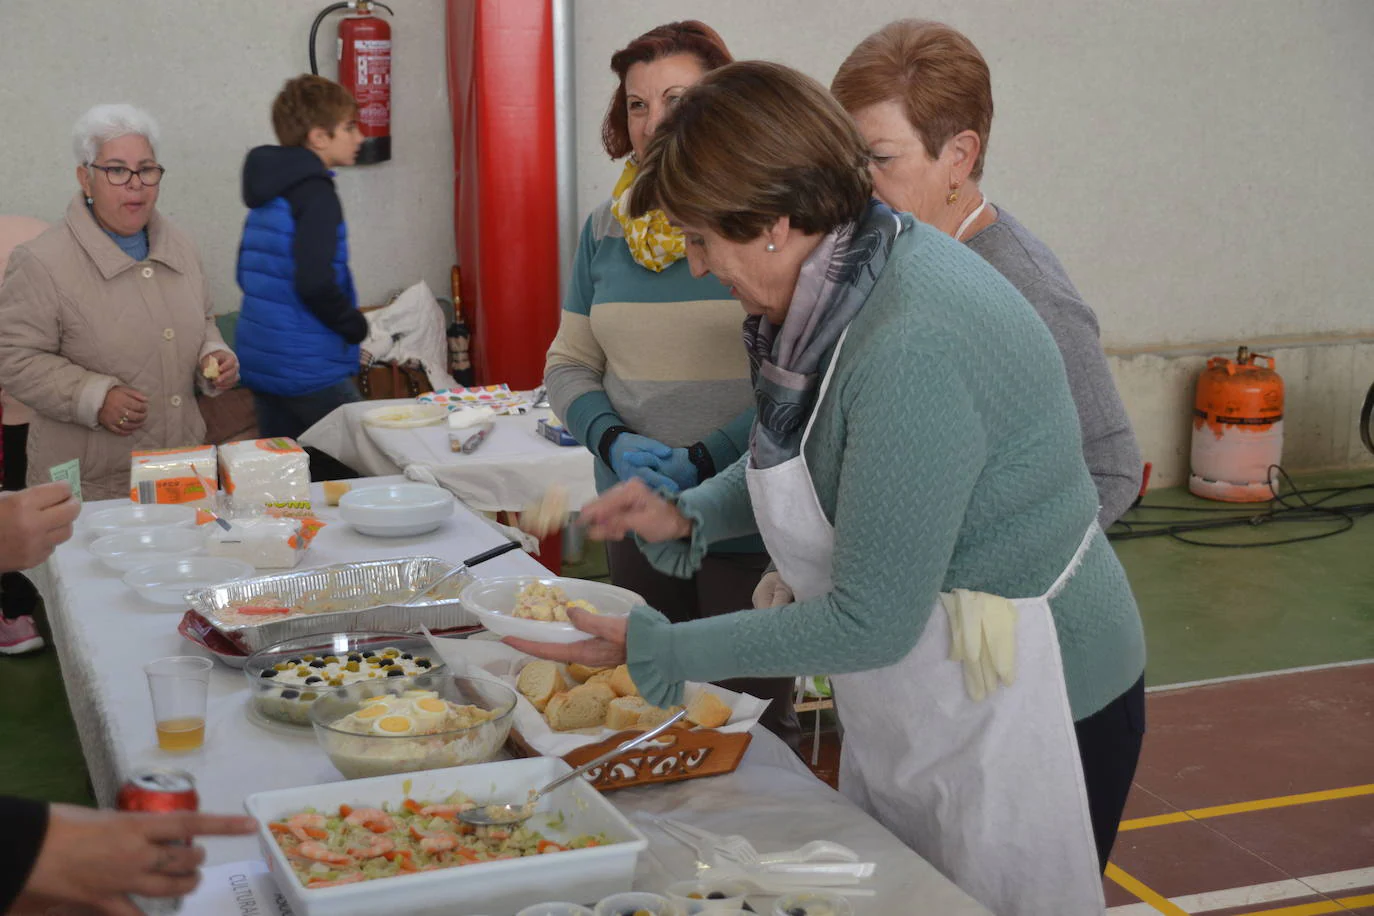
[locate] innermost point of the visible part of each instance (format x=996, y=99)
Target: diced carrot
x=376, y=828
x=278, y=827
x=345, y=810
x=316, y=833
x=416, y=833
x=412, y=806
x=550, y=845
x=465, y=829
x=469, y=854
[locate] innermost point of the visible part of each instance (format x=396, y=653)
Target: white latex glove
x=772, y=591
x=983, y=637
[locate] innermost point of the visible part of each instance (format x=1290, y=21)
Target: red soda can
x=159, y=791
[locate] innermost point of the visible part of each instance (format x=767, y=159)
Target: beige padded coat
x=79, y=316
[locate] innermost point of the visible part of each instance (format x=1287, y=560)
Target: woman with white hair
x=106, y=322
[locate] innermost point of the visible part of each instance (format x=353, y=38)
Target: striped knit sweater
x=947, y=455
x=660, y=353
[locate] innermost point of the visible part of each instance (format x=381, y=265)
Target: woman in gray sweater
x=922, y=97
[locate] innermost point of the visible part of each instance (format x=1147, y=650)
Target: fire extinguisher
x=1237, y=428
x=364, y=55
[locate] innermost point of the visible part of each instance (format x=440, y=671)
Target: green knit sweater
x=947, y=455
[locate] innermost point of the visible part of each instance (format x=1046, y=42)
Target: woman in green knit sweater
x=646, y=370
x=915, y=470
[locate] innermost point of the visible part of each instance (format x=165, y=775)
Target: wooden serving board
x=677, y=754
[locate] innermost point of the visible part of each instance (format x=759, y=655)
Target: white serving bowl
x=129, y=550
x=138, y=516
x=396, y=510
x=169, y=581
x=493, y=601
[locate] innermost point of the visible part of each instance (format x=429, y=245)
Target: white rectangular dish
x=484, y=887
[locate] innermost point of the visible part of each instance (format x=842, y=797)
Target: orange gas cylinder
x=1237, y=428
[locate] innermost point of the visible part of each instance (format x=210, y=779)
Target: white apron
x=991, y=792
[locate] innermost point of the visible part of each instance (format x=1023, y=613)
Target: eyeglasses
x=120, y=175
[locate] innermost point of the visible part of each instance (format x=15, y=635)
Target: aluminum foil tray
x=372, y=578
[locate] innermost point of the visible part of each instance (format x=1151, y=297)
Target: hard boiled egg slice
x=373, y=710
x=394, y=725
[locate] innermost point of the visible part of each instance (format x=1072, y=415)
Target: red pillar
x=500, y=70
x=506, y=182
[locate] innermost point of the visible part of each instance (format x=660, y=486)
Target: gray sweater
x=1109, y=446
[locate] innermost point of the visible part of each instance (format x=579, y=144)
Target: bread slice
x=334, y=491
x=598, y=689
x=622, y=683
x=580, y=672
x=707, y=710
x=651, y=716
x=624, y=712
x=539, y=681
x=577, y=708
x=601, y=677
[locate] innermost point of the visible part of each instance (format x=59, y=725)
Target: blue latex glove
x=631, y=452
x=673, y=475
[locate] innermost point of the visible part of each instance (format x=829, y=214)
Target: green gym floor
x=1229, y=769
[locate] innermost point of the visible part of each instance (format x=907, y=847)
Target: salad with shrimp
x=348, y=845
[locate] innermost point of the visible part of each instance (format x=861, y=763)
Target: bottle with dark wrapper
x=459, y=338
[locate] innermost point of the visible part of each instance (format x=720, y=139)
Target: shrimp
x=354, y=878
x=374, y=819
x=305, y=827
x=446, y=810
x=439, y=843
x=376, y=846
x=318, y=852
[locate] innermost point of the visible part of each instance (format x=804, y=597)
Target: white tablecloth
x=510, y=470
x=105, y=633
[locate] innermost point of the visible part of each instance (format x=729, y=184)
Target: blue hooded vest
x=283, y=348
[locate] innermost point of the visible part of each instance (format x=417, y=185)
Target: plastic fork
x=740, y=850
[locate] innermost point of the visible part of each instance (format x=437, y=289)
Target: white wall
x=1201, y=168
x=209, y=71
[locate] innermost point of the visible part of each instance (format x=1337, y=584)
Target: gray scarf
x=785, y=361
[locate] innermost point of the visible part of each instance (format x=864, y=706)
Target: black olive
x=797, y=911
x=289, y=694
x=270, y=672
x=355, y=657
x=314, y=680
x=715, y=895
x=368, y=653
x=423, y=663
x=393, y=671
x=293, y=661
x=407, y=655
x=318, y=663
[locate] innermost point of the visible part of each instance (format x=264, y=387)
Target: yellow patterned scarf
x=654, y=243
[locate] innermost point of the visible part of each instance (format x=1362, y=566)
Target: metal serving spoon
x=501, y=815
x=458, y=570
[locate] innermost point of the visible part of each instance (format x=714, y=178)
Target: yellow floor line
x=1262, y=804
x=1145, y=894
x=1318, y=909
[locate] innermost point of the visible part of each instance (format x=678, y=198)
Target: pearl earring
x=770, y=247
x=89, y=201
